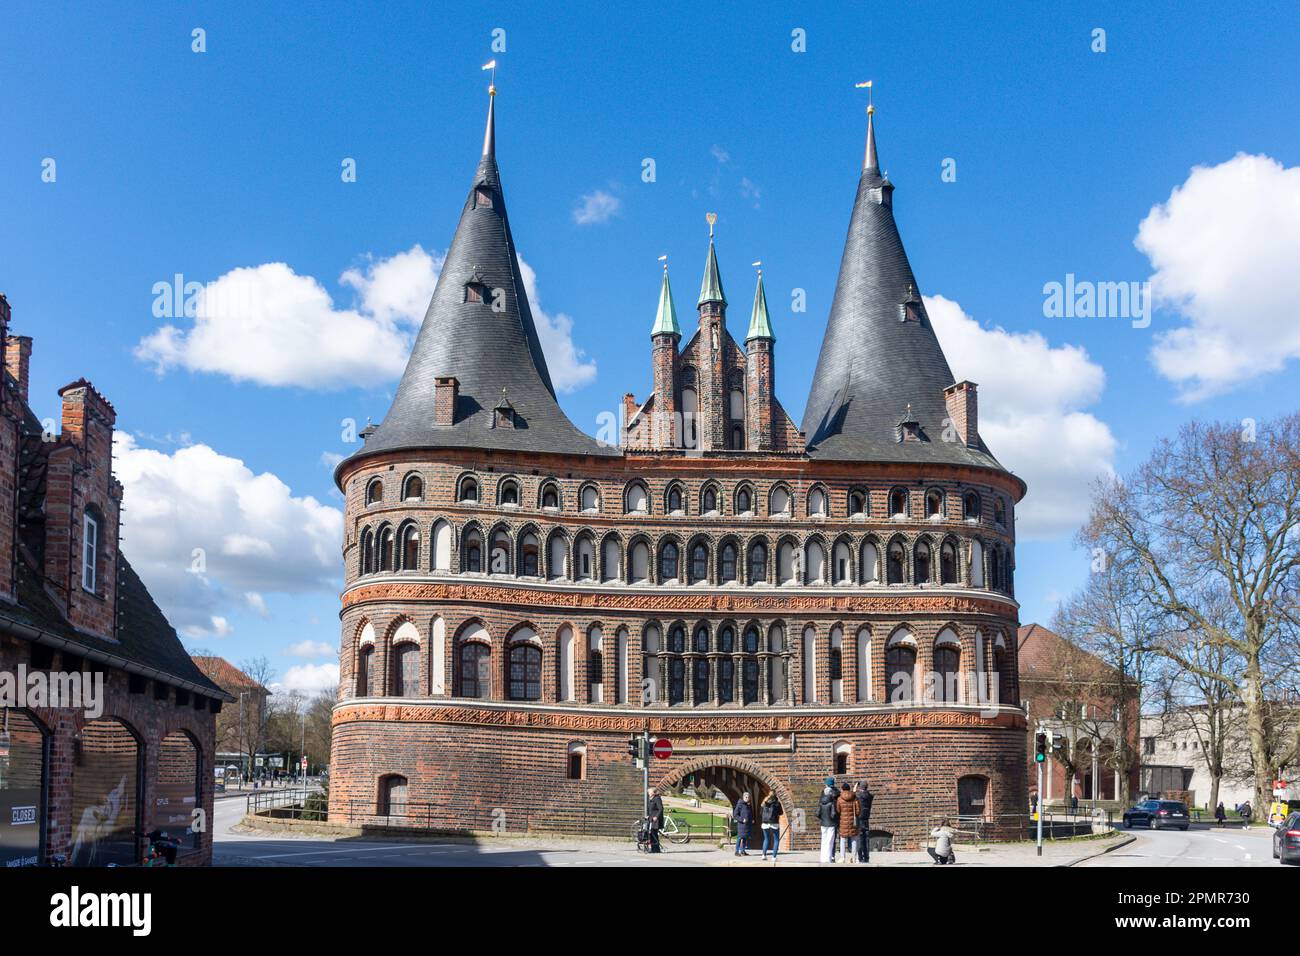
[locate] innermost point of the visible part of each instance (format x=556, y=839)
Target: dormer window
x=482, y=197
x=911, y=309
x=475, y=292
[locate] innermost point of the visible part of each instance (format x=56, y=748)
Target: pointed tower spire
x=478, y=338
x=870, y=161
x=666, y=316
x=760, y=325
x=880, y=352
x=711, y=286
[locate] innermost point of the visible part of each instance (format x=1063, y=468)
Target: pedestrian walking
x=848, y=824
x=1220, y=814
x=770, y=817
x=865, y=799
x=942, y=852
x=828, y=817
x=1246, y=813
x=743, y=814
x=654, y=819
x=1074, y=804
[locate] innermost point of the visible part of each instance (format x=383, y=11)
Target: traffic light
x=634, y=749
x=1040, y=747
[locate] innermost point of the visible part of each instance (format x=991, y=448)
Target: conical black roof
x=876, y=369
x=489, y=346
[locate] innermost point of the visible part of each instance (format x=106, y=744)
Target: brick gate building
x=785, y=602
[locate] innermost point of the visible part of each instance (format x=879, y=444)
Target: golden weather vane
x=711, y=218
x=492, y=83
x=866, y=85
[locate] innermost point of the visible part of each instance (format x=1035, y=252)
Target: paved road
x=1202, y=845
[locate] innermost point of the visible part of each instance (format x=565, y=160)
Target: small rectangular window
x=89, y=551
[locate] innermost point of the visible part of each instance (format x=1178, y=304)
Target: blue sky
x=172, y=161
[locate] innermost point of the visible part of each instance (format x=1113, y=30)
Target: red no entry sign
x=663, y=748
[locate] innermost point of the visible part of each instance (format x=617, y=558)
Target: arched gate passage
x=735, y=776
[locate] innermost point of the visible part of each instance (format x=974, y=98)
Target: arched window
x=105, y=799
x=971, y=505
x=668, y=563
x=815, y=561
x=568, y=664
x=934, y=503
x=995, y=569
x=576, y=765
x=779, y=501
x=590, y=498
x=778, y=687
x=406, y=669
x=677, y=640
x=857, y=503
x=499, y=558
x=863, y=663
x=817, y=503
x=841, y=563
x=1000, y=667
x=749, y=681
x=635, y=499
x=473, y=552
x=611, y=566
x=699, y=563
x=367, y=551
x=738, y=436
x=410, y=548
x=550, y=495
x=508, y=493
x=842, y=751
x=744, y=500
x=676, y=680
x=758, y=564
x=900, y=668
x=366, y=671
x=726, y=640
x=897, y=562
x=701, y=682
x=528, y=555
x=709, y=500
x=999, y=511
x=701, y=641
x=976, y=576
x=374, y=492
x=386, y=549
x=584, y=553
x=393, y=791
x=596, y=664
x=727, y=568
x=475, y=669
x=921, y=562
x=947, y=667
x=751, y=640
x=414, y=488
x=440, y=551
x=898, y=503
x=785, y=563
x=726, y=680
x=178, y=791
x=870, y=562
x=948, y=563
x=525, y=672
x=673, y=504
x=639, y=562
x=468, y=490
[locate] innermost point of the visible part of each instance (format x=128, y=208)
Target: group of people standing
x=845, y=820
x=742, y=815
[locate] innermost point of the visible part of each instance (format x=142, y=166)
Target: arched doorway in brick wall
x=734, y=776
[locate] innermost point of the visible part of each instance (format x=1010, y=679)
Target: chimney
x=963, y=412
x=18, y=355
x=88, y=420
x=446, y=392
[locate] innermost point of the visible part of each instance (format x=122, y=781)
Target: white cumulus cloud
x=1032, y=397
x=210, y=537
x=1225, y=248
x=310, y=679
x=252, y=321
x=596, y=207
x=310, y=649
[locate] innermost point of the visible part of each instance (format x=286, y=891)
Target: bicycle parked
x=678, y=833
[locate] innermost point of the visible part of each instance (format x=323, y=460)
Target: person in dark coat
x=828, y=817
x=848, y=825
x=743, y=814
x=1220, y=814
x=865, y=799
x=654, y=819
x=770, y=818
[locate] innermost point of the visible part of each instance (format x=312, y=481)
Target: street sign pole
x=645, y=773
x=1040, y=808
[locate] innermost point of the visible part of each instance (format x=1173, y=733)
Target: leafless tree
x=1218, y=510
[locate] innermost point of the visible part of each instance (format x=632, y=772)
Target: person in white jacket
x=942, y=852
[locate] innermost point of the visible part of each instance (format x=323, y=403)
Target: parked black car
x=1158, y=814
x=1286, y=840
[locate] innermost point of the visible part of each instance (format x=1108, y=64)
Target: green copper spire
x=760, y=325
x=666, y=317
x=711, y=287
